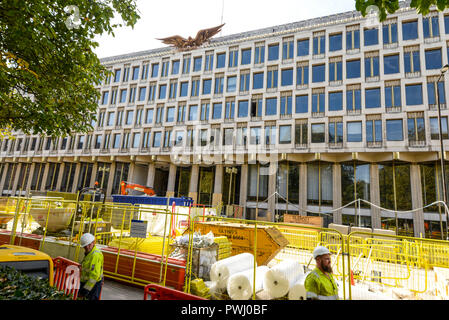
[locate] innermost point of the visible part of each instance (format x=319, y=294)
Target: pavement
x=113, y=290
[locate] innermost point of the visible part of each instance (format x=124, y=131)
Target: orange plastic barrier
x=158, y=292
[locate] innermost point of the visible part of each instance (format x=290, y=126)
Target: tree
x=48, y=70
x=391, y=6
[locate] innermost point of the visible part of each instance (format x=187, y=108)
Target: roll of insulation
x=223, y=269
x=240, y=285
x=298, y=291
x=281, y=277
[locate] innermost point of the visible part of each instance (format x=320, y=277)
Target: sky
x=164, y=18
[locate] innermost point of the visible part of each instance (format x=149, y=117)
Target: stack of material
x=223, y=269
x=199, y=288
x=151, y=245
x=241, y=285
x=281, y=277
x=224, y=247
x=298, y=290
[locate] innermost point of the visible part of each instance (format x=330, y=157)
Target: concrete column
x=271, y=190
x=375, y=196
x=94, y=174
x=30, y=178
x=131, y=171
x=303, y=188
x=171, y=181
x=243, y=188
x=111, y=179
x=218, y=185
x=150, y=175
x=193, y=185
x=60, y=175
x=16, y=178
x=3, y=178
x=76, y=177
x=336, y=193
x=417, y=202
x=44, y=177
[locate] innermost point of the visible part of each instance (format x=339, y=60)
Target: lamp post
x=440, y=126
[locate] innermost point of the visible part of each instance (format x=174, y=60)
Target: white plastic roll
x=223, y=269
x=298, y=291
x=240, y=285
x=281, y=277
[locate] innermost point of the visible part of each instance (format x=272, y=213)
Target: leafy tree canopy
x=48, y=69
x=391, y=6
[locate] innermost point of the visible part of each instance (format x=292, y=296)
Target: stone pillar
x=111, y=180
x=60, y=175
x=243, y=188
x=16, y=178
x=193, y=185
x=218, y=185
x=3, y=178
x=76, y=177
x=271, y=191
x=171, y=181
x=44, y=177
x=303, y=188
x=30, y=177
x=417, y=202
x=94, y=174
x=336, y=193
x=150, y=175
x=376, y=221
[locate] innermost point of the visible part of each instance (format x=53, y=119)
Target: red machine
x=127, y=185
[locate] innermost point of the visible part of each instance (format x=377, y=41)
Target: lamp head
x=445, y=68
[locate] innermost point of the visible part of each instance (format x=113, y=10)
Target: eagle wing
x=176, y=41
x=205, y=34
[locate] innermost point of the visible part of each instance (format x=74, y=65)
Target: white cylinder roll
x=223, y=269
x=281, y=277
x=240, y=285
x=298, y=290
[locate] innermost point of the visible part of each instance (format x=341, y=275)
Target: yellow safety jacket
x=320, y=286
x=92, y=268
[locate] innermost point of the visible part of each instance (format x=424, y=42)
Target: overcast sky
x=163, y=18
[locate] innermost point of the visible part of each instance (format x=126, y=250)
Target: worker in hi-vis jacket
x=319, y=283
x=91, y=269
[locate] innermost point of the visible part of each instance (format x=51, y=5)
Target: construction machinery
x=134, y=186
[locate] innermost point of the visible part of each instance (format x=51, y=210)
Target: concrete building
x=301, y=118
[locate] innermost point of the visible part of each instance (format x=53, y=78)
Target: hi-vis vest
x=92, y=268
x=320, y=286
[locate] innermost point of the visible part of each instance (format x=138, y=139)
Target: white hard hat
x=320, y=250
x=86, y=239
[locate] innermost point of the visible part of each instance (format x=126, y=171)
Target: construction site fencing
x=67, y=276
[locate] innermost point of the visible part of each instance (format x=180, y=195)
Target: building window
x=244, y=81
x=145, y=68
x=317, y=130
x=132, y=94
x=413, y=94
x=410, y=30
x=254, y=138
x=302, y=74
x=434, y=128
x=371, y=66
x=273, y=52
x=394, y=130
x=353, y=38
x=286, y=104
x=219, y=82
x=184, y=89
x=204, y=111
x=372, y=98
x=302, y=47
x=241, y=136
x=270, y=135
x=157, y=139
x=392, y=95
x=395, y=186
x=412, y=62
x=246, y=56
x=373, y=130
x=228, y=136
x=258, y=80
x=149, y=116
x=355, y=184
x=116, y=143
x=286, y=77
x=186, y=65
x=129, y=117
x=114, y=95
x=195, y=89
x=193, y=113
x=154, y=70
x=117, y=75
x=335, y=131
x=391, y=64
x=415, y=126
x=335, y=70
x=231, y=85
x=319, y=43
x=318, y=102
x=319, y=183
x=432, y=92
x=354, y=131
x=233, y=58
x=152, y=92
x=159, y=114
x=287, y=49
x=170, y=114
x=142, y=93
x=175, y=67
x=207, y=85
x=104, y=98
x=256, y=106
x=353, y=98
x=242, y=109
x=136, y=140
x=431, y=26
x=221, y=59
x=371, y=37
x=335, y=42
x=272, y=78
x=181, y=113
x=319, y=73
x=301, y=136
x=162, y=91
x=270, y=106
x=197, y=61
x=173, y=90
x=285, y=134
x=229, y=109
x=179, y=138
x=353, y=69
x=259, y=53
x=119, y=121
x=336, y=101
x=216, y=111
x=302, y=104
x=123, y=94
x=136, y=73
x=125, y=74
x=167, y=139
x=433, y=59
x=390, y=32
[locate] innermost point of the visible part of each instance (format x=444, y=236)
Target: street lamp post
x=440, y=127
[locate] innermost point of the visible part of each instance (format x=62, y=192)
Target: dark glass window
x=412, y=62
x=372, y=98
x=287, y=77
x=207, y=85
x=184, y=89
x=221, y=60
x=434, y=128
x=258, y=80
x=354, y=131
x=433, y=59
x=246, y=56
x=270, y=106
x=197, y=61
x=430, y=27
x=390, y=33
x=391, y=64
x=303, y=47
x=318, y=73
x=353, y=69
x=413, y=94
x=373, y=130
x=371, y=37
x=353, y=99
x=273, y=52
x=302, y=75
x=317, y=132
x=394, y=130
x=432, y=94
x=243, y=109
x=335, y=42
x=336, y=101
x=335, y=71
x=410, y=30
x=302, y=104
x=216, y=112
x=392, y=96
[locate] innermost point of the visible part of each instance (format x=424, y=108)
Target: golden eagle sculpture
x=184, y=44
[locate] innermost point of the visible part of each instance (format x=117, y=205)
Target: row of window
x=267, y=134
x=430, y=27
x=270, y=79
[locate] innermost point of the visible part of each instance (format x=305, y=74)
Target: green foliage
x=391, y=6
x=15, y=285
x=47, y=68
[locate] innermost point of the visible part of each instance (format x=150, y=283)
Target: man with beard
x=319, y=284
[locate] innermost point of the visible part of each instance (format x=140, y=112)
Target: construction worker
x=319, y=283
x=91, y=269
